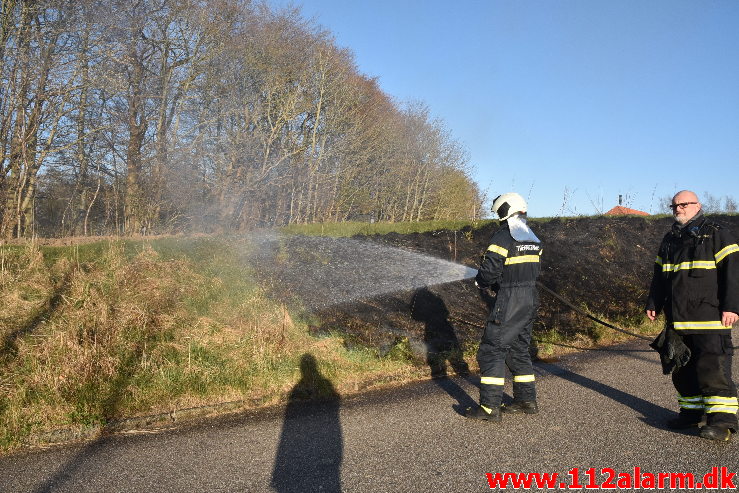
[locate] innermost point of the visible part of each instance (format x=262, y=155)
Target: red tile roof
x=624, y=211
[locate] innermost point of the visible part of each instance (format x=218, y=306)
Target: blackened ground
x=601, y=264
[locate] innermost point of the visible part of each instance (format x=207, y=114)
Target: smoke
x=318, y=272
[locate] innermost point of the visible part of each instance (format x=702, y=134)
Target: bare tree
x=710, y=203
x=168, y=115
x=730, y=204
x=36, y=98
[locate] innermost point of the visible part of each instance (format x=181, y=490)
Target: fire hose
x=573, y=307
x=578, y=310
x=591, y=317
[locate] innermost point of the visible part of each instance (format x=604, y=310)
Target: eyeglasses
x=681, y=205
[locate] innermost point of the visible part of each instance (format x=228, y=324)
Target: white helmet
x=508, y=204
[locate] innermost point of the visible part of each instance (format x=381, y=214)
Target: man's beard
x=681, y=219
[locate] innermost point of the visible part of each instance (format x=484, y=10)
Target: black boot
x=685, y=420
x=715, y=432
x=482, y=414
x=520, y=407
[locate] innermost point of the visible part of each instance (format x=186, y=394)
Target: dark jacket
x=696, y=277
x=508, y=262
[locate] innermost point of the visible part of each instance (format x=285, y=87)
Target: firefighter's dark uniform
x=696, y=278
x=510, y=267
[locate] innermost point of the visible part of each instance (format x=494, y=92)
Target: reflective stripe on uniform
x=718, y=404
x=721, y=409
x=523, y=378
x=733, y=248
x=486, y=409
x=492, y=381
x=715, y=399
x=522, y=259
x=692, y=402
x=691, y=406
x=695, y=264
x=498, y=249
x=713, y=324
x=658, y=260
x=692, y=398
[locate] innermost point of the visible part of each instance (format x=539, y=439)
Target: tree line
x=160, y=116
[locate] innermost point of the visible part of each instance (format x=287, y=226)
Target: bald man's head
x=685, y=205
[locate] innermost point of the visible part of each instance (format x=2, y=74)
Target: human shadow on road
x=442, y=345
x=652, y=414
x=311, y=446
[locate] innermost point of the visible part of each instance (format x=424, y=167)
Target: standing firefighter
x=510, y=266
x=696, y=283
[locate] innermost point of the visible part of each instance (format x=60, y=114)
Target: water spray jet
x=322, y=272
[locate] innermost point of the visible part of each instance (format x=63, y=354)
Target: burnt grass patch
x=601, y=264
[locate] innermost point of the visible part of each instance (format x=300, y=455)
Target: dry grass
x=88, y=339
x=579, y=333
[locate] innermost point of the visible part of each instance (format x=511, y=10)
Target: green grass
x=350, y=228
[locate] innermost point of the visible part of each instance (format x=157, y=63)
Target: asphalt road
x=599, y=410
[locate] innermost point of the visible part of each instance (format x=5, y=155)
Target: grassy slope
x=93, y=333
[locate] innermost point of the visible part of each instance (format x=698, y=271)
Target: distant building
x=620, y=210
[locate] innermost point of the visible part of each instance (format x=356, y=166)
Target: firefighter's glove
x=673, y=353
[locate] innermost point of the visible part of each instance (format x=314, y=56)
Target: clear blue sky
x=564, y=99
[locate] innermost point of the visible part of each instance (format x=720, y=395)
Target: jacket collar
x=694, y=225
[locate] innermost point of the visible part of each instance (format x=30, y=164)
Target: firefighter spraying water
x=510, y=267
